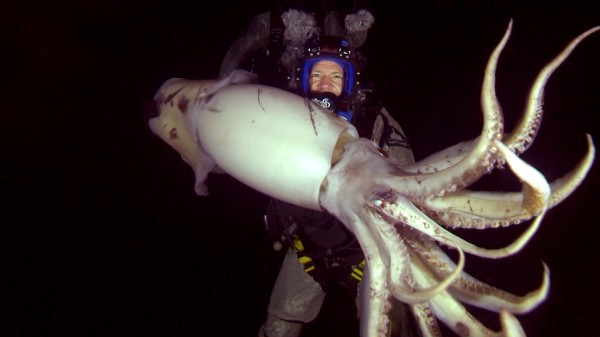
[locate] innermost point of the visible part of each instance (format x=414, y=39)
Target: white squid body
x=289, y=148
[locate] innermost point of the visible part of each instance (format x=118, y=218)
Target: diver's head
x=328, y=67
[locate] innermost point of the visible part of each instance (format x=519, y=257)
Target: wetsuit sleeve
x=256, y=38
x=391, y=138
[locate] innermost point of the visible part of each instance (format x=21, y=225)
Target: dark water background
x=102, y=235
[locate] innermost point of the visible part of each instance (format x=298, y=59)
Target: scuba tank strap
x=281, y=228
x=386, y=132
x=276, y=29
x=367, y=109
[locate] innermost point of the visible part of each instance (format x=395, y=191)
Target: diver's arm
x=395, y=143
x=256, y=38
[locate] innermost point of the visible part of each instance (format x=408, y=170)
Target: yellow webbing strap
x=307, y=262
x=298, y=246
x=357, y=272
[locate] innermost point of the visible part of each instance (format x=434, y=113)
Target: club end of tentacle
x=423, y=295
x=534, y=298
x=519, y=243
x=536, y=191
x=563, y=187
x=493, y=123
x=485, y=296
x=510, y=325
x=526, y=130
x=498, y=300
x=481, y=158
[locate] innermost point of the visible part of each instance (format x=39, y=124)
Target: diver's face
x=327, y=76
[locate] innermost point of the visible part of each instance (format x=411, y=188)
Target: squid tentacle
x=527, y=127
x=396, y=256
x=480, y=209
x=468, y=290
x=374, y=287
x=425, y=319
x=443, y=159
x=518, y=141
x=457, y=318
x=283, y=145
x=475, y=292
x=510, y=324
x=447, y=309
x=563, y=187
x=410, y=215
x=523, y=134
x=479, y=160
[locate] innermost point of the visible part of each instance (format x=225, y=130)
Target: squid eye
x=378, y=202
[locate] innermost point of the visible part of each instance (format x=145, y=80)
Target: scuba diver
x=292, y=53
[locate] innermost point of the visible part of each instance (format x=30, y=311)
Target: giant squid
x=292, y=149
